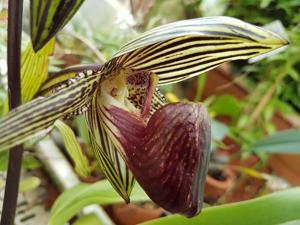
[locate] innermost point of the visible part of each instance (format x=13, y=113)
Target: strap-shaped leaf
x=73, y=148
x=47, y=17
x=71, y=201
x=34, y=70
x=38, y=115
x=107, y=154
x=180, y=50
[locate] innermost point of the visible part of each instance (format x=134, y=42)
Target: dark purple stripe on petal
x=169, y=155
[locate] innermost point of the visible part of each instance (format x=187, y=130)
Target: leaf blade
x=73, y=200
x=34, y=71
x=274, y=208
x=287, y=141
x=48, y=17
x=73, y=148
x=38, y=63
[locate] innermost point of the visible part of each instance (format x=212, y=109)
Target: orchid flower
x=134, y=132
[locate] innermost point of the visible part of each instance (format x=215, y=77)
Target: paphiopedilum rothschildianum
x=134, y=132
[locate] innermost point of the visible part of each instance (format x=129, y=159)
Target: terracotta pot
x=217, y=184
x=131, y=214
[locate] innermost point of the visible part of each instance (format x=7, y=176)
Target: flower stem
x=15, y=8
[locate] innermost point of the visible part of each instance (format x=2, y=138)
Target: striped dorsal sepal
x=184, y=49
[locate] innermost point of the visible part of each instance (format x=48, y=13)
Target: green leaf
x=83, y=129
x=287, y=141
x=34, y=70
x=73, y=148
x=218, y=130
x=29, y=184
x=226, y=105
x=200, y=87
x=73, y=200
x=293, y=222
x=265, y=3
x=30, y=162
x=3, y=160
x=274, y=208
x=48, y=17
x=2, y=183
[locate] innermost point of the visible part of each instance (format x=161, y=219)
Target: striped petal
x=39, y=115
x=61, y=78
x=158, y=100
x=180, y=50
x=132, y=91
x=169, y=155
x=107, y=154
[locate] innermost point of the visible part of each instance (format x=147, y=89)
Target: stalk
x=15, y=8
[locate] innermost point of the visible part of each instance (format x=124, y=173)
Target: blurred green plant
x=73, y=200
x=277, y=208
x=287, y=141
x=73, y=148
x=273, y=83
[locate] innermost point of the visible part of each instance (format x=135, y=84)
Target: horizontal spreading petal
x=169, y=154
x=58, y=80
x=38, y=116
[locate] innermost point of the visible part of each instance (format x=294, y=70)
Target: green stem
x=200, y=87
